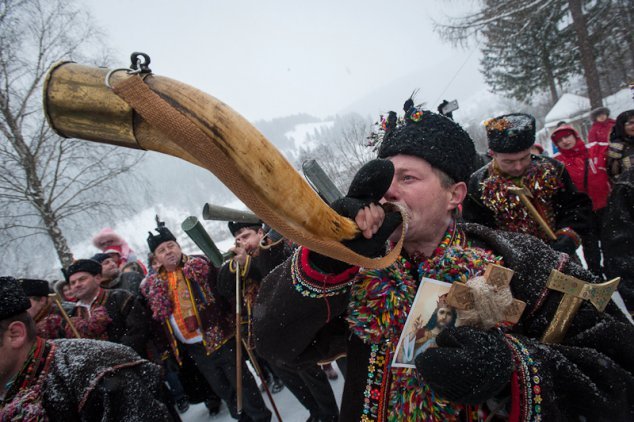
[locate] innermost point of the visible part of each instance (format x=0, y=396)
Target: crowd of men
x=118, y=341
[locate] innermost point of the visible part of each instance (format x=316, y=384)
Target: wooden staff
x=238, y=344
x=58, y=302
x=524, y=195
x=258, y=370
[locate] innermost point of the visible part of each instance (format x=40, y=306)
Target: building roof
x=569, y=107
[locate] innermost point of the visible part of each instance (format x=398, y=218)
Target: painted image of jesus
x=423, y=335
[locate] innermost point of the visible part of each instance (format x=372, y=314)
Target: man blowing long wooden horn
x=313, y=307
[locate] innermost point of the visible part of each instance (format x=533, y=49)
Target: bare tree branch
x=45, y=181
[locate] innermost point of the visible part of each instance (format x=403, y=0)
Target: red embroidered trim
x=328, y=308
x=514, y=414
x=319, y=277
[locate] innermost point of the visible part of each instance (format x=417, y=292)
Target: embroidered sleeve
x=615, y=150
x=311, y=282
x=50, y=327
x=94, y=327
x=526, y=389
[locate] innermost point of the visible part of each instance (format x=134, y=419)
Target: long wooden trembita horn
x=160, y=114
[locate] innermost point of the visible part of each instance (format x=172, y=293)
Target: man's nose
x=392, y=193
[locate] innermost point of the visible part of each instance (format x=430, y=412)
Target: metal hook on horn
x=139, y=64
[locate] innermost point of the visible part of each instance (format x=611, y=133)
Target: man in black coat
x=313, y=307
x=113, y=278
x=44, y=311
x=113, y=315
x=618, y=236
x=69, y=380
x=257, y=254
x=567, y=211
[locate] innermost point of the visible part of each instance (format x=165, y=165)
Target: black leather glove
x=469, y=366
x=564, y=244
x=368, y=186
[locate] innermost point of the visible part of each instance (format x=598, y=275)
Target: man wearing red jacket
x=586, y=164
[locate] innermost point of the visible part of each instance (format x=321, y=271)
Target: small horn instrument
x=218, y=213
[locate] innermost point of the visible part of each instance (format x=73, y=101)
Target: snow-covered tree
x=541, y=56
x=341, y=149
x=581, y=25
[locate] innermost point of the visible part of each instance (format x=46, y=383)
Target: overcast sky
x=274, y=58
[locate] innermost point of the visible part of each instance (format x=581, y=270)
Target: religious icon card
x=428, y=316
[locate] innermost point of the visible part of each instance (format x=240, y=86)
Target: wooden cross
x=461, y=297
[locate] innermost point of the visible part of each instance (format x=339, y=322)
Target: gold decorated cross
x=575, y=292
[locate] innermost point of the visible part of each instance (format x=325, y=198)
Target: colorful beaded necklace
x=380, y=302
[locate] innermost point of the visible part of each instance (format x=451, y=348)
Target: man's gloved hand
x=368, y=187
x=469, y=366
x=564, y=244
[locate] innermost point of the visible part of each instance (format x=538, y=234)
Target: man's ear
x=458, y=192
x=98, y=278
x=17, y=334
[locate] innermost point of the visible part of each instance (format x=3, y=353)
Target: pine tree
x=610, y=24
x=564, y=37
x=540, y=57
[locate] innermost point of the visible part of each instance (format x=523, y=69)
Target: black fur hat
x=35, y=287
x=164, y=235
x=434, y=138
x=510, y=132
x=13, y=301
x=100, y=257
x=234, y=226
x=82, y=265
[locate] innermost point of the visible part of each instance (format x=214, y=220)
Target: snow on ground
x=288, y=406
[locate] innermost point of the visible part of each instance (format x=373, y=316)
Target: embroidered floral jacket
x=251, y=275
x=49, y=322
x=303, y=316
x=115, y=315
x=565, y=209
x=213, y=313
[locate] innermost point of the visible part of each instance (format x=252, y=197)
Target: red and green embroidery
x=380, y=302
